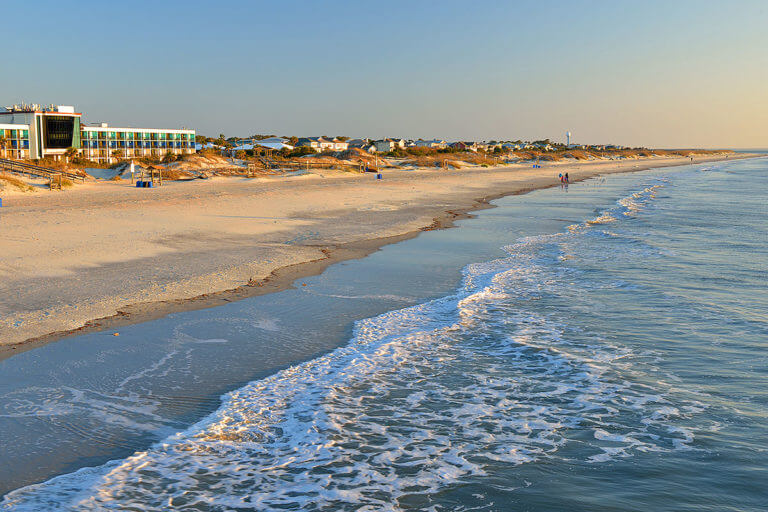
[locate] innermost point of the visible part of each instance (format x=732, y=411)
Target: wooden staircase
x=37, y=171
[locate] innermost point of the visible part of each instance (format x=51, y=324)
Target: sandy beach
x=106, y=254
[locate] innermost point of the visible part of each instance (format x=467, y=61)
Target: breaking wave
x=421, y=398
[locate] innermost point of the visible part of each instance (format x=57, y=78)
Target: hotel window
x=58, y=131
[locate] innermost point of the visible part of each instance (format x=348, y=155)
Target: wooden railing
x=27, y=169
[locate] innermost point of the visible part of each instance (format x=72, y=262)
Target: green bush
x=297, y=152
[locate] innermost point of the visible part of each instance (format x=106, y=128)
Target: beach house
x=464, y=146
x=434, y=143
x=275, y=143
x=358, y=143
x=385, y=145
x=320, y=144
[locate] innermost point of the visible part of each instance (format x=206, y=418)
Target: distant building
x=240, y=147
x=207, y=145
x=276, y=143
x=321, y=144
x=35, y=132
x=434, y=143
x=464, y=146
x=358, y=143
x=385, y=145
x=272, y=143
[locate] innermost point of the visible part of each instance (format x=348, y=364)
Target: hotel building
x=34, y=131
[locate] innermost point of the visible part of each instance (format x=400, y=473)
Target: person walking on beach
x=566, y=178
x=561, y=177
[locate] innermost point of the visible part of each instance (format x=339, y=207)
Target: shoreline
x=281, y=277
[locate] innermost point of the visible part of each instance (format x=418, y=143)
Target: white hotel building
x=34, y=131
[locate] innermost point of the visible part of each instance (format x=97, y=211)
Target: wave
x=420, y=398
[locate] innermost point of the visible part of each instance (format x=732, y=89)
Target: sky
x=672, y=73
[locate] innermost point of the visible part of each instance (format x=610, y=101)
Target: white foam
x=421, y=398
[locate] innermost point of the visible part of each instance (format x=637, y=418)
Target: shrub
x=297, y=152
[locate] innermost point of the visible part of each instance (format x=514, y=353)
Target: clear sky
x=672, y=73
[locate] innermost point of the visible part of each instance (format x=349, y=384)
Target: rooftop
x=36, y=107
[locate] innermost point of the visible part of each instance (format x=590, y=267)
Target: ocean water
x=599, y=347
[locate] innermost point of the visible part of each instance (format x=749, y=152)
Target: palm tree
x=69, y=154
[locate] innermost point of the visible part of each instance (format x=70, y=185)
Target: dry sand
x=121, y=255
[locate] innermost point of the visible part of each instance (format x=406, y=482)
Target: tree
x=70, y=154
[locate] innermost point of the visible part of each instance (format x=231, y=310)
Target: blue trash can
x=138, y=184
x=378, y=176
x=149, y=184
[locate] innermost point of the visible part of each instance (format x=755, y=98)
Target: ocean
x=600, y=346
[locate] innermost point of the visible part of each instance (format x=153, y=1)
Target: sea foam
x=420, y=398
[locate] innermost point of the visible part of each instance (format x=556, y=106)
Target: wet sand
x=106, y=254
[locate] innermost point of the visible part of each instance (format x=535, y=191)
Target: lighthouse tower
x=567, y=139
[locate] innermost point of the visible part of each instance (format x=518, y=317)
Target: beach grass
x=14, y=182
